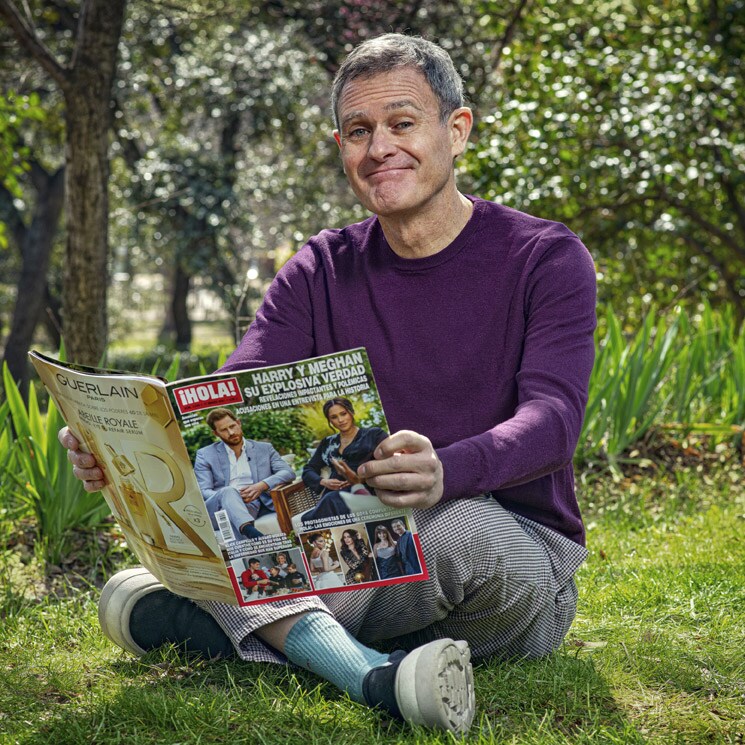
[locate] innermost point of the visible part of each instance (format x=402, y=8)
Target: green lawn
x=656, y=654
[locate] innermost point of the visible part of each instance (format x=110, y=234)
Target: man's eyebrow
x=402, y=104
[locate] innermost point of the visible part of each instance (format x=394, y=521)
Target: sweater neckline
x=446, y=254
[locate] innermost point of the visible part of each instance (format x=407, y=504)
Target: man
x=235, y=474
x=405, y=548
x=478, y=321
x=254, y=578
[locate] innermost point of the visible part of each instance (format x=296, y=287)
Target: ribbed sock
x=320, y=644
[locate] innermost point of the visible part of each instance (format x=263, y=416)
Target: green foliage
x=16, y=111
x=654, y=655
x=674, y=370
x=625, y=386
x=367, y=413
x=196, y=438
x=623, y=121
x=37, y=465
x=285, y=429
x=165, y=362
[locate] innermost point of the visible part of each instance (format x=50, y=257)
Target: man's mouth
x=386, y=172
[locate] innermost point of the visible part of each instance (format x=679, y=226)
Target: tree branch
x=730, y=281
x=729, y=190
x=709, y=227
x=509, y=34
x=28, y=39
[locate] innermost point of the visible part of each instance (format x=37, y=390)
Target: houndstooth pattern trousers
x=503, y=583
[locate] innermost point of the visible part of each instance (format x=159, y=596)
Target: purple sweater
x=486, y=347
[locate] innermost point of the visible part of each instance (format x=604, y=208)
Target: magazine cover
x=295, y=517
x=242, y=487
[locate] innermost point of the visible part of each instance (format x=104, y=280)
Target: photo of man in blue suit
x=235, y=474
x=405, y=548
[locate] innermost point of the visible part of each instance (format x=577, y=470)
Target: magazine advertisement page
x=275, y=453
x=128, y=424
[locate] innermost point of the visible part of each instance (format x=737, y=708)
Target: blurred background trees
x=621, y=119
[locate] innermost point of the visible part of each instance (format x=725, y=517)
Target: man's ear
x=337, y=137
x=460, y=122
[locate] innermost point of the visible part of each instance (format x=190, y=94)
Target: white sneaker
x=431, y=686
x=138, y=614
x=118, y=598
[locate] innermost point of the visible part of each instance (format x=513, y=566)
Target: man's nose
x=381, y=145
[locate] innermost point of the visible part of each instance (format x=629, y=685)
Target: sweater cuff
x=460, y=471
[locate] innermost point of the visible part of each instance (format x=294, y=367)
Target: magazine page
x=126, y=421
x=275, y=453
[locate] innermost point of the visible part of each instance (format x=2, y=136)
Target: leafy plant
x=625, y=387
x=196, y=438
x=39, y=469
x=688, y=375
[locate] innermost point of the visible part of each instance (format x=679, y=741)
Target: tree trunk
x=51, y=317
x=35, y=248
x=88, y=111
x=177, y=326
x=180, y=310
x=86, y=84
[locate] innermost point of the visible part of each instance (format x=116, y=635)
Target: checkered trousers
x=500, y=581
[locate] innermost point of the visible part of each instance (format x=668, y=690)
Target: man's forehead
x=404, y=103
x=397, y=88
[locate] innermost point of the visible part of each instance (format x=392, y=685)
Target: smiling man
x=478, y=321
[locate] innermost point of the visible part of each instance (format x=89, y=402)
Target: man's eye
x=404, y=125
x=357, y=132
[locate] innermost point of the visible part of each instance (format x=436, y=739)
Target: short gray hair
x=390, y=51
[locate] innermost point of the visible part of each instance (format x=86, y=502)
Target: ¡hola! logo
x=207, y=395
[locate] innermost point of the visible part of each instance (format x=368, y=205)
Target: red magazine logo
x=208, y=395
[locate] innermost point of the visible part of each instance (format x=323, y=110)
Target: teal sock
x=322, y=645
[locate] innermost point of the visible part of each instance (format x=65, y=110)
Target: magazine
x=234, y=486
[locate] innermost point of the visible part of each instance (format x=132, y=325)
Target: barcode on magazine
x=224, y=526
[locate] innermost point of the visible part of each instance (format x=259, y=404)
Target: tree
x=225, y=128
x=27, y=180
x=85, y=82
x=624, y=122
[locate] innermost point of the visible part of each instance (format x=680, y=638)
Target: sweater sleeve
x=552, y=382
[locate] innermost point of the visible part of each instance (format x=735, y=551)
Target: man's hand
x=84, y=465
x=253, y=491
x=405, y=472
x=334, y=484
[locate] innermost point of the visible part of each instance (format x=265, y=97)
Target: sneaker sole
x=118, y=597
x=434, y=686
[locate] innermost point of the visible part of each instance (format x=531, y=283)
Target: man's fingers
x=80, y=459
x=68, y=439
x=400, y=499
x=92, y=478
x=91, y=486
x=402, y=482
x=402, y=441
x=400, y=463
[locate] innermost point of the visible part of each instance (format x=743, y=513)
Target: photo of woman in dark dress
x=386, y=556
x=356, y=555
x=342, y=453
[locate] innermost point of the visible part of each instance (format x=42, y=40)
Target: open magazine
x=235, y=486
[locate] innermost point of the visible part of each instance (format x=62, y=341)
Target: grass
x=656, y=654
